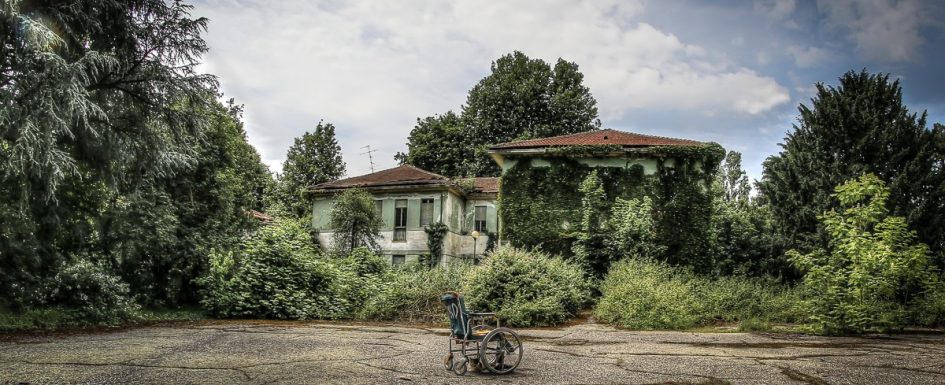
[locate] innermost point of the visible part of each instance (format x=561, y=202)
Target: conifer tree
x=860, y=126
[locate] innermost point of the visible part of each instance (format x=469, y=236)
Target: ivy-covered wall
x=540, y=206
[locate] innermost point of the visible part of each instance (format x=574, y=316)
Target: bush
x=362, y=275
x=527, y=288
x=276, y=273
x=644, y=294
x=412, y=294
x=88, y=293
x=875, y=273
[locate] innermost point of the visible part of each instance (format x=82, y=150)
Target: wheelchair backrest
x=459, y=317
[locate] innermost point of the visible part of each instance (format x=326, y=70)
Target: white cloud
x=776, y=9
x=886, y=30
x=372, y=68
x=806, y=57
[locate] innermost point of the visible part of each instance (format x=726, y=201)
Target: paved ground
x=266, y=352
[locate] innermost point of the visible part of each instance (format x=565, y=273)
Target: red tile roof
x=486, y=185
x=402, y=175
x=599, y=137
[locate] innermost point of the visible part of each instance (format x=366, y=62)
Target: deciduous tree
x=522, y=98
x=314, y=158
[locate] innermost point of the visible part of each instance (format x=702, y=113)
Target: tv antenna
x=370, y=155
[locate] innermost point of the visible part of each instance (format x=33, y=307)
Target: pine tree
x=314, y=158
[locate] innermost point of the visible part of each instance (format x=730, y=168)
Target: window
x=400, y=220
x=397, y=260
x=379, y=206
x=480, y=218
x=426, y=212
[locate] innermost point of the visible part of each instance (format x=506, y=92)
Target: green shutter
x=491, y=218
x=413, y=214
x=388, y=215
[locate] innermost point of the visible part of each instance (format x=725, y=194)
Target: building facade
x=409, y=199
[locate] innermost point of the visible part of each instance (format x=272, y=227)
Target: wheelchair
x=495, y=350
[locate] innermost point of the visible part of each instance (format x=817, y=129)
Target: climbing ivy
x=541, y=206
x=435, y=233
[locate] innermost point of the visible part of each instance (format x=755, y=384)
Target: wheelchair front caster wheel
x=448, y=361
x=460, y=366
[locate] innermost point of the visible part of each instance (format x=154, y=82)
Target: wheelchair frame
x=482, y=346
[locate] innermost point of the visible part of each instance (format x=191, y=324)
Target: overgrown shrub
x=362, y=275
x=276, y=273
x=412, y=293
x=875, y=274
x=527, y=288
x=645, y=294
x=87, y=292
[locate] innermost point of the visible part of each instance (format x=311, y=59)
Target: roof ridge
x=418, y=169
x=576, y=137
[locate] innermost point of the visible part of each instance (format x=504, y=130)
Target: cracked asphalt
x=266, y=352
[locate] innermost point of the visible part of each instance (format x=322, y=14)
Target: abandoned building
x=409, y=198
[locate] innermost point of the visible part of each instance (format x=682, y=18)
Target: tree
x=743, y=236
x=733, y=180
x=436, y=144
x=860, y=126
x=157, y=235
x=314, y=158
x=97, y=100
x=874, y=268
x=356, y=222
x=522, y=98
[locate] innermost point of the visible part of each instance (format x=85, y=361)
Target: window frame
x=480, y=225
x=394, y=257
x=426, y=211
x=400, y=220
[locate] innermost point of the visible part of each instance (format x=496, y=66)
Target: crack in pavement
x=246, y=376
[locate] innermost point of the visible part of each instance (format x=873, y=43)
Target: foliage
x=743, y=235
x=527, y=288
x=538, y=205
x=631, y=230
x=860, y=126
x=733, y=181
x=275, y=273
x=130, y=157
x=362, y=275
x=435, y=234
x=88, y=292
x=588, y=246
x=356, y=222
x=645, y=294
x=425, y=147
x=874, y=270
x=522, y=98
x=313, y=158
x=412, y=294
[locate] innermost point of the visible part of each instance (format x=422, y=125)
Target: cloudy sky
x=732, y=72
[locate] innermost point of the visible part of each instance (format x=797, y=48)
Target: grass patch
x=639, y=294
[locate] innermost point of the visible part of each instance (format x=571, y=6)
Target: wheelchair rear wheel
x=500, y=351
